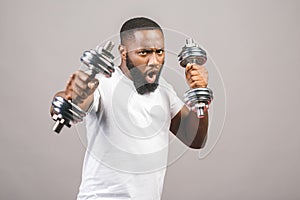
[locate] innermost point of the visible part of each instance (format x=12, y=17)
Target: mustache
x=154, y=69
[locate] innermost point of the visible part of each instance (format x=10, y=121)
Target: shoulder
x=166, y=86
x=164, y=83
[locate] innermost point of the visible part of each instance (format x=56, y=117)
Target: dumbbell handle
x=200, y=111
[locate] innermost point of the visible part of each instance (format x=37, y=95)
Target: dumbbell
x=67, y=111
x=197, y=99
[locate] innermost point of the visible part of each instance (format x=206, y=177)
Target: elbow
x=196, y=146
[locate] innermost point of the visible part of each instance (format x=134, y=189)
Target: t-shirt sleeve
x=96, y=103
x=176, y=103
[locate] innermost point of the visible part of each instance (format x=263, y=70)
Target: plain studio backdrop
x=255, y=45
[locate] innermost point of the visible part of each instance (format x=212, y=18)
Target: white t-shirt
x=128, y=136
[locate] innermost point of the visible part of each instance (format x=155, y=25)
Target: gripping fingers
x=198, y=80
x=85, y=88
x=80, y=86
x=80, y=90
x=198, y=84
x=196, y=75
x=82, y=76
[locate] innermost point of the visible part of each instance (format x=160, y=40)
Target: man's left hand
x=196, y=76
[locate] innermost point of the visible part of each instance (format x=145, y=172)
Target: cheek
x=138, y=61
x=141, y=68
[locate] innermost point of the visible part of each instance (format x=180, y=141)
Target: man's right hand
x=80, y=87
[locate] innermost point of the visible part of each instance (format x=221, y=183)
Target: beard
x=140, y=83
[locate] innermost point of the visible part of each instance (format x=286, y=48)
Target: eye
x=160, y=51
x=143, y=52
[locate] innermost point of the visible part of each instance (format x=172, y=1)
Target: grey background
x=255, y=44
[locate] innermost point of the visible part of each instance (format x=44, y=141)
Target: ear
x=122, y=51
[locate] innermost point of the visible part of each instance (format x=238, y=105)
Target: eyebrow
x=149, y=50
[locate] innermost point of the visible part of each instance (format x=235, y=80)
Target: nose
x=153, y=60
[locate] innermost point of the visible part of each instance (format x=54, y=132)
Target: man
x=131, y=116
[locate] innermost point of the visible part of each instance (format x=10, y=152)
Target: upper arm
x=176, y=121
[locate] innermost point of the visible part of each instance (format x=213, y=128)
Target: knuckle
x=77, y=72
x=83, y=94
x=194, y=78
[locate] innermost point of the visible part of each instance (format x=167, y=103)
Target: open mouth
x=151, y=76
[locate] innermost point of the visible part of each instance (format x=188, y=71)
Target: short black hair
x=136, y=24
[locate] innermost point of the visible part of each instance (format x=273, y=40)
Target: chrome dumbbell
x=67, y=111
x=199, y=98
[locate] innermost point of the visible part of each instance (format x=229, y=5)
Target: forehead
x=147, y=39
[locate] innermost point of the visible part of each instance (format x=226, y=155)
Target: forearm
x=195, y=130
x=189, y=129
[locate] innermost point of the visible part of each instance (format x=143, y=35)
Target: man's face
x=145, y=58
